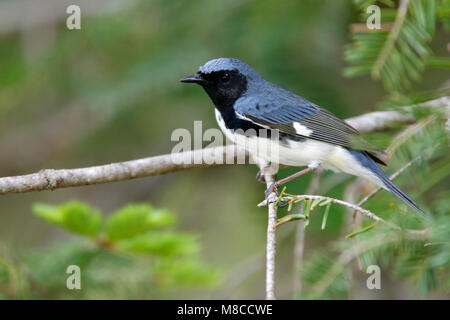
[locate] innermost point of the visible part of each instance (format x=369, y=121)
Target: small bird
x=308, y=135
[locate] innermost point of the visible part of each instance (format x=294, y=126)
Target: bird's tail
x=400, y=194
x=387, y=183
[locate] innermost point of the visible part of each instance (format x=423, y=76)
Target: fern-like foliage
x=398, y=53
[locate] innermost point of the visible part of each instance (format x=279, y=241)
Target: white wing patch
x=301, y=129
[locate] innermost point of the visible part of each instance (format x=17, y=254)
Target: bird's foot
x=272, y=188
x=260, y=177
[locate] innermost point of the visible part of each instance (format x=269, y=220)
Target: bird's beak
x=195, y=78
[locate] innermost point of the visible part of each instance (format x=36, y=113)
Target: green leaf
x=48, y=212
x=280, y=196
x=135, y=219
x=307, y=211
x=439, y=62
x=74, y=216
x=365, y=229
x=326, y=202
x=290, y=206
x=315, y=203
x=325, y=215
x=161, y=243
x=293, y=216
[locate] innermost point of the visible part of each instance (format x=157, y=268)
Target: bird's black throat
x=224, y=95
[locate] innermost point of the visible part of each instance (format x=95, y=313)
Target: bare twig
x=50, y=179
x=382, y=120
x=271, y=239
x=362, y=28
x=365, y=212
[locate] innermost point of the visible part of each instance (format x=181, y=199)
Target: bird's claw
x=260, y=177
x=272, y=188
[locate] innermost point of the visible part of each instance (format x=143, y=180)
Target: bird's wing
x=297, y=116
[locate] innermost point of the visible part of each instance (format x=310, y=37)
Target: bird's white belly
x=296, y=153
x=307, y=153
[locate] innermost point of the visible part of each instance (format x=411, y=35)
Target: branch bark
x=382, y=120
x=50, y=179
x=271, y=239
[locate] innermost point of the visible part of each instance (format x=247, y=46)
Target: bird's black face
x=223, y=87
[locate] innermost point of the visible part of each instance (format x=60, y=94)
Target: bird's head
x=225, y=80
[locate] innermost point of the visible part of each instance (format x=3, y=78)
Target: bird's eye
x=225, y=78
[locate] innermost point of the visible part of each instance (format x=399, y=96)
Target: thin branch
x=363, y=211
x=271, y=239
x=362, y=28
x=50, y=179
x=382, y=120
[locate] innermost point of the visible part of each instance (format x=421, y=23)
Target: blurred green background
x=110, y=92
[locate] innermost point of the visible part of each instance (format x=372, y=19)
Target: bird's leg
x=272, y=170
x=274, y=186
